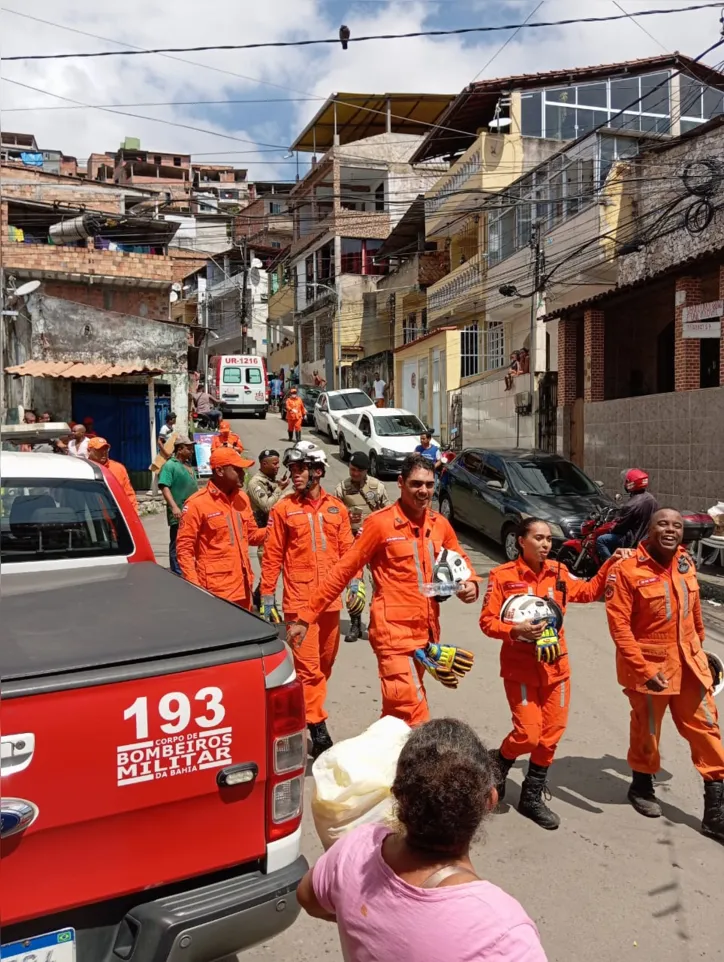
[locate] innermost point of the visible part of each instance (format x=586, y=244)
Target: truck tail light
x=287, y=759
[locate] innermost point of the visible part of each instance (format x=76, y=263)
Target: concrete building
x=106, y=280
x=641, y=366
x=226, y=302
x=344, y=209
x=22, y=149
x=266, y=221
x=282, y=353
x=532, y=159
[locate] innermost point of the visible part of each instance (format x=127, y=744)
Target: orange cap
x=224, y=426
x=96, y=443
x=223, y=456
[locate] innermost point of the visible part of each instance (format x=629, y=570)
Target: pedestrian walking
x=378, y=387
x=169, y=426
x=412, y=894
x=401, y=545
x=177, y=483
x=99, y=451
x=308, y=532
x=524, y=607
x=217, y=528
x=296, y=412
x=264, y=490
x=654, y=615
x=361, y=495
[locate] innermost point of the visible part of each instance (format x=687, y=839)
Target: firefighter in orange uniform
x=401, y=544
x=216, y=529
x=524, y=607
x=296, y=412
x=654, y=615
x=98, y=450
x=226, y=438
x=308, y=532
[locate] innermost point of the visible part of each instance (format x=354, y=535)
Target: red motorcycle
x=581, y=556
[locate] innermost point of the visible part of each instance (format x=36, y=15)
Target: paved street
x=609, y=885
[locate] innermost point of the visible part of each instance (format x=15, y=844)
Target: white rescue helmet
x=520, y=608
x=449, y=572
x=310, y=455
x=716, y=666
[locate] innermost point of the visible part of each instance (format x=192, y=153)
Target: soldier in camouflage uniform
x=362, y=495
x=264, y=491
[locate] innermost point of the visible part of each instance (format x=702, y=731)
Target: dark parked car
x=493, y=490
x=309, y=395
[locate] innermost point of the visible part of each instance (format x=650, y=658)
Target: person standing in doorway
x=166, y=431
x=378, y=388
x=177, y=482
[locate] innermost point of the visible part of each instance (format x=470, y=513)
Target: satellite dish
x=173, y=297
x=498, y=122
x=176, y=287
x=26, y=289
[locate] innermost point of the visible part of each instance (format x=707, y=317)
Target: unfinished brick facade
x=567, y=347
x=593, y=354
x=135, y=301
x=686, y=352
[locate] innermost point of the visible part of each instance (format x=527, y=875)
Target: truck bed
x=109, y=619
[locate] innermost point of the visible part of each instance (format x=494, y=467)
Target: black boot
x=321, y=739
x=291, y=435
x=256, y=597
x=299, y=435
x=642, y=796
x=355, y=628
x=531, y=802
x=713, y=822
x=503, y=766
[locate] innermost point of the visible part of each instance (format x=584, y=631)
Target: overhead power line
x=457, y=31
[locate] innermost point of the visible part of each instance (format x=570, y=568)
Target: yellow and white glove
x=445, y=663
x=356, y=596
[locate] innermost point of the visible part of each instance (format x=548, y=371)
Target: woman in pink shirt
x=413, y=895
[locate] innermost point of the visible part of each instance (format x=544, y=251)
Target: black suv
x=494, y=490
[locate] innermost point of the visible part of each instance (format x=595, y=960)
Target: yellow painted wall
x=421, y=350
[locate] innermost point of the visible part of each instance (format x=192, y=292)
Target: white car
x=385, y=435
x=332, y=405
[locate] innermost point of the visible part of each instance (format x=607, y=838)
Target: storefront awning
x=79, y=369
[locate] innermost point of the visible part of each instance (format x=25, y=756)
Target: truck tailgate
x=122, y=763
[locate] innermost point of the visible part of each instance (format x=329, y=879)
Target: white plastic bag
x=353, y=780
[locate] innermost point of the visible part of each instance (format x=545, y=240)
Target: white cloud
x=423, y=64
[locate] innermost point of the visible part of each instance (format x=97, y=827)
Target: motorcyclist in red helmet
x=634, y=519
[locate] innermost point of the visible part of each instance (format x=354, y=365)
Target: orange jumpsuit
x=295, y=413
x=213, y=541
x=304, y=540
x=230, y=440
x=654, y=615
x=400, y=553
x=538, y=694
x=119, y=472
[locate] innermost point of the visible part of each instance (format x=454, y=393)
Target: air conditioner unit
x=523, y=402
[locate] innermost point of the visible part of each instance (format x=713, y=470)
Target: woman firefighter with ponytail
x=524, y=607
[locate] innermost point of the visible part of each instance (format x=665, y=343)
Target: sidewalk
x=157, y=530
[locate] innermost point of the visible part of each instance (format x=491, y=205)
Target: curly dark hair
x=443, y=782
x=413, y=461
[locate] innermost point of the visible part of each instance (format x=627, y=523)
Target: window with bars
x=409, y=331
x=470, y=350
x=494, y=345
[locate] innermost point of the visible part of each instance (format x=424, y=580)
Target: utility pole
x=535, y=247
x=244, y=297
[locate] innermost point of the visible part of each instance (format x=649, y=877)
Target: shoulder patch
x=608, y=593
x=612, y=577
x=332, y=510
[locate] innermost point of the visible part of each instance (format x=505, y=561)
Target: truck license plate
x=54, y=947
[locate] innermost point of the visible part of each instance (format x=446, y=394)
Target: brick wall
x=84, y=260
x=686, y=352
x=567, y=345
x=594, y=323
x=184, y=262
x=45, y=189
x=123, y=300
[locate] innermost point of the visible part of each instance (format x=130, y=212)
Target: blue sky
x=288, y=79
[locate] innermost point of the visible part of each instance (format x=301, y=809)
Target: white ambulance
x=240, y=382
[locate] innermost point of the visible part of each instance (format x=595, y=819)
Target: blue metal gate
x=120, y=416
